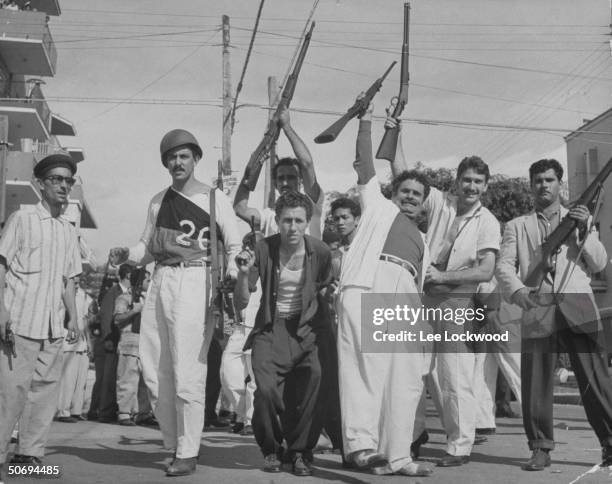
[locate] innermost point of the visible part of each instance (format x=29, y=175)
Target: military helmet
x=174, y=139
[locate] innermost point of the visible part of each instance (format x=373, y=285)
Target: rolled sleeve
x=489, y=234
x=139, y=254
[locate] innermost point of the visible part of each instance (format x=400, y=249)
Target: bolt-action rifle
x=356, y=109
x=262, y=152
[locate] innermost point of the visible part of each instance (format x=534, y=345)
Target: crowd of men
x=299, y=364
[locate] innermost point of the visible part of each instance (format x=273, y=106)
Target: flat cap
x=53, y=161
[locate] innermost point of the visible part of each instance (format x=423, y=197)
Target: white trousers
x=485, y=382
x=432, y=385
x=235, y=368
x=379, y=392
x=174, y=340
x=72, y=384
x=29, y=387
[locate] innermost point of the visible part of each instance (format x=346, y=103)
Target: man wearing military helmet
x=176, y=329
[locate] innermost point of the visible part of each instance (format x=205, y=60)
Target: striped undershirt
x=41, y=253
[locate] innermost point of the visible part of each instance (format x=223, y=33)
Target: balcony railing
x=23, y=58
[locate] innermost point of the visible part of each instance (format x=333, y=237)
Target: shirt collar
x=549, y=211
x=124, y=289
x=44, y=214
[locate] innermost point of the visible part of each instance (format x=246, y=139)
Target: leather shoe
x=80, y=418
x=415, y=447
x=127, y=422
x=182, y=467
x=453, y=460
x=271, y=463
x=606, y=457
x=26, y=459
x=67, y=419
x=486, y=431
x=217, y=423
x=480, y=439
x=247, y=430
x=301, y=466
x=368, y=458
x=539, y=460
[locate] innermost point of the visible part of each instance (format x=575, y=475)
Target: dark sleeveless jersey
x=404, y=240
x=182, y=231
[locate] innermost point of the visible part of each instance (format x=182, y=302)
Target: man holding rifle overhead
x=177, y=326
x=288, y=173
x=561, y=310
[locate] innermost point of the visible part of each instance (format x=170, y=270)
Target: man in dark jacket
x=292, y=340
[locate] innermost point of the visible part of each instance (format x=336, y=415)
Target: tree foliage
x=506, y=197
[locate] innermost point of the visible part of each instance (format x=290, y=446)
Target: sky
x=129, y=71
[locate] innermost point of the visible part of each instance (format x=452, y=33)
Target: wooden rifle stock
x=565, y=228
x=261, y=153
x=388, y=145
x=357, y=109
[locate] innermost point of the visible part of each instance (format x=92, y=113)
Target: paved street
x=101, y=453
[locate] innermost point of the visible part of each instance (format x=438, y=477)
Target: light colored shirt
x=290, y=284
x=41, y=253
x=378, y=214
x=225, y=219
x=477, y=230
x=83, y=301
x=269, y=226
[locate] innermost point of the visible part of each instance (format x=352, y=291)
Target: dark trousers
x=538, y=359
x=288, y=374
x=213, y=379
x=108, y=390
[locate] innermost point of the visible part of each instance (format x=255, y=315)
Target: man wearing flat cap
x=176, y=327
x=39, y=255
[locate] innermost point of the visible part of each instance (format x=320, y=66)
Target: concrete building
x=27, y=123
x=588, y=150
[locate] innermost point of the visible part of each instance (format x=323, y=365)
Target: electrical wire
x=232, y=114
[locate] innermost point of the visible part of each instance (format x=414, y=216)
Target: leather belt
x=189, y=263
x=400, y=262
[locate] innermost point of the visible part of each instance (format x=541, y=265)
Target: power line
x=218, y=104
x=159, y=78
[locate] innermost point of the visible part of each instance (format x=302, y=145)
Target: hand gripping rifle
x=261, y=153
x=558, y=236
x=356, y=109
x=388, y=145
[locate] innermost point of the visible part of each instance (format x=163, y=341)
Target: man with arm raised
x=287, y=174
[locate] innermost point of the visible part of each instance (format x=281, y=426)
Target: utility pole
x=269, y=194
x=226, y=146
x=4, y=122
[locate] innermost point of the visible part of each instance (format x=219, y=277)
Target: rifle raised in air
x=261, y=153
x=356, y=109
x=565, y=228
x=388, y=145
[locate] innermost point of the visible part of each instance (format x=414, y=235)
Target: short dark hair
x=293, y=199
x=345, y=202
x=543, y=165
x=124, y=271
x=287, y=161
x=411, y=175
x=475, y=163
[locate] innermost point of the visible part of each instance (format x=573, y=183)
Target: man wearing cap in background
x=39, y=255
x=176, y=327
